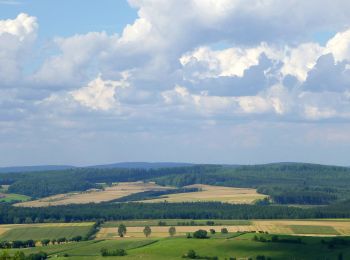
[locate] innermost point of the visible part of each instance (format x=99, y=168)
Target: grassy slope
x=174, y=248
x=39, y=233
x=10, y=197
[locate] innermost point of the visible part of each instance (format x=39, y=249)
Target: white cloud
x=16, y=38
x=79, y=59
x=100, y=94
x=339, y=46
x=227, y=62
x=23, y=26
x=300, y=60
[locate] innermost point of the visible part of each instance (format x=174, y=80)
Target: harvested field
x=287, y=227
x=110, y=193
x=214, y=193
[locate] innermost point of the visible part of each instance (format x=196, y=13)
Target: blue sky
x=59, y=17
x=92, y=82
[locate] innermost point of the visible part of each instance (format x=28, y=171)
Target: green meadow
x=38, y=233
x=238, y=246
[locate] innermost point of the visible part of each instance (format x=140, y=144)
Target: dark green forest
x=191, y=210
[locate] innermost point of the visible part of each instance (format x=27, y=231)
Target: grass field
x=43, y=231
x=290, y=227
x=241, y=246
x=214, y=193
x=10, y=197
x=109, y=193
x=320, y=230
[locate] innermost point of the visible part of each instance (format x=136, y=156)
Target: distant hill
x=125, y=165
x=37, y=168
x=140, y=165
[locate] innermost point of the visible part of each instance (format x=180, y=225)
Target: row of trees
x=17, y=244
x=147, y=231
x=32, y=243
x=19, y=255
x=192, y=210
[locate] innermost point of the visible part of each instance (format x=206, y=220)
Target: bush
x=77, y=238
x=37, y=256
x=191, y=254
x=224, y=231
x=212, y=231
x=200, y=234
x=117, y=252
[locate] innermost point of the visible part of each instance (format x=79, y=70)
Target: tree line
x=186, y=210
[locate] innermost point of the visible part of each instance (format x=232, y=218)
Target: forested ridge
x=285, y=183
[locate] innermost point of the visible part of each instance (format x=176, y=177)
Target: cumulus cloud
x=100, y=94
x=16, y=37
x=196, y=64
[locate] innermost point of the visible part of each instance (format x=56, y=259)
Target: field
x=319, y=230
x=214, y=193
x=43, y=231
x=161, y=246
x=109, y=193
x=289, y=227
x=206, y=193
x=234, y=245
x=9, y=197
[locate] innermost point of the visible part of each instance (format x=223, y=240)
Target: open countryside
x=116, y=191
x=122, y=189
x=160, y=245
x=286, y=227
x=214, y=193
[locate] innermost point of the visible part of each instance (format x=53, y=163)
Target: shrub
x=191, y=254
x=117, y=252
x=224, y=231
x=200, y=234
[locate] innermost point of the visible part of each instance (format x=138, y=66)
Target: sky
x=203, y=81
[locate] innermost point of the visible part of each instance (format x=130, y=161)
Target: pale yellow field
x=270, y=226
x=214, y=193
x=110, y=193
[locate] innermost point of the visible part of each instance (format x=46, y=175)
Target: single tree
x=172, y=231
x=212, y=231
x=121, y=230
x=147, y=231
